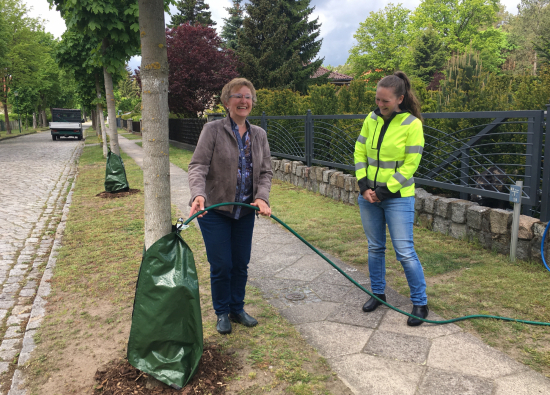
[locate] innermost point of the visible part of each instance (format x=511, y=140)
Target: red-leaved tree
x=198, y=68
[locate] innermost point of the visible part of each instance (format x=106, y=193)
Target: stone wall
x=460, y=219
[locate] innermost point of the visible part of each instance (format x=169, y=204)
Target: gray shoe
x=243, y=318
x=223, y=326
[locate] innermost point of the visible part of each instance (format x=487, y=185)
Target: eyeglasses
x=240, y=96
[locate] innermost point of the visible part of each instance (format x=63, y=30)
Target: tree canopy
x=232, y=24
x=381, y=40
x=192, y=11
x=278, y=44
x=198, y=68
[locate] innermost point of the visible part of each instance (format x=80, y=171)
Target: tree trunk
x=101, y=122
x=154, y=82
x=34, y=120
x=44, y=119
x=94, y=120
x=7, y=117
x=111, y=111
x=5, y=104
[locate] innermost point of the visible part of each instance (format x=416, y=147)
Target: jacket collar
x=226, y=122
x=393, y=115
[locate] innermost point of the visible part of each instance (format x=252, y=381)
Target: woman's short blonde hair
x=237, y=82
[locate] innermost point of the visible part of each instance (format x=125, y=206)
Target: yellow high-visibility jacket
x=387, y=154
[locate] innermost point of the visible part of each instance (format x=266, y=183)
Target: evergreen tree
x=429, y=55
x=232, y=24
x=277, y=45
x=192, y=11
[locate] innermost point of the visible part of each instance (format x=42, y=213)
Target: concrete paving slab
x=400, y=347
x=272, y=263
x=357, y=296
x=330, y=292
x=367, y=374
x=438, y=382
x=286, y=296
x=313, y=312
x=397, y=322
x=271, y=287
x=353, y=315
x=527, y=382
x=332, y=276
x=464, y=353
x=307, y=268
x=332, y=339
x=260, y=248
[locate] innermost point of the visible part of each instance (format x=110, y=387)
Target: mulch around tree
x=115, y=195
x=121, y=378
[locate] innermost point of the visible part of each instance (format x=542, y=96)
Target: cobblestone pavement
x=36, y=175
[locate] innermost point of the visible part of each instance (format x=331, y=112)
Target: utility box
x=66, y=123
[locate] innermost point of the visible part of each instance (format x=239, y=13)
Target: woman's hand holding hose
x=196, y=206
x=264, y=208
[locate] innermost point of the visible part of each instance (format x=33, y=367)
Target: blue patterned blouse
x=243, y=193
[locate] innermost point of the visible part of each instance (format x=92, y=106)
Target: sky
x=339, y=20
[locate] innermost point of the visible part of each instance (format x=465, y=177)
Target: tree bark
x=44, y=118
x=34, y=120
x=5, y=104
x=101, y=121
x=101, y=133
x=94, y=120
x=7, y=117
x=111, y=111
x=154, y=81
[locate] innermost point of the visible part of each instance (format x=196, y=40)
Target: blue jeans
x=228, y=244
x=398, y=214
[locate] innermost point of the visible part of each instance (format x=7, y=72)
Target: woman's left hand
x=371, y=196
x=264, y=208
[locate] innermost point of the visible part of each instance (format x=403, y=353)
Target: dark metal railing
x=475, y=153
x=185, y=130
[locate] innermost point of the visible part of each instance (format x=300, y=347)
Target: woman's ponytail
x=401, y=86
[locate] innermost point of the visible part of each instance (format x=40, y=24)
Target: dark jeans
x=228, y=243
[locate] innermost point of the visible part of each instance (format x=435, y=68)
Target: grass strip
x=15, y=132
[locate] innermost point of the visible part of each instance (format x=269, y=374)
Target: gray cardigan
x=213, y=168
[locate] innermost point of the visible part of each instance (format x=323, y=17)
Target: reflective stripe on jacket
x=387, y=154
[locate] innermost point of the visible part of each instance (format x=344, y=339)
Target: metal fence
x=475, y=153
x=13, y=125
x=185, y=130
x=136, y=126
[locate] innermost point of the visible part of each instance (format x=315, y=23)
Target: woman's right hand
x=370, y=196
x=196, y=206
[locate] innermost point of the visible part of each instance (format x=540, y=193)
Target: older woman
x=230, y=164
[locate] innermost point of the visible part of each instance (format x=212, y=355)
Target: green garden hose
x=467, y=317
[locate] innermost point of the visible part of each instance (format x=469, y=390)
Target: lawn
x=15, y=132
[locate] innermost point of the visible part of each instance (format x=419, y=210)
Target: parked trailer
x=66, y=123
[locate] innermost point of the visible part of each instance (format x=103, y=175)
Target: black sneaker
x=419, y=311
x=223, y=326
x=243, y=318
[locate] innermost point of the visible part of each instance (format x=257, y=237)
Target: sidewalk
x=373, y=353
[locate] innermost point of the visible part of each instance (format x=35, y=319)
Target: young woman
x=387, y=154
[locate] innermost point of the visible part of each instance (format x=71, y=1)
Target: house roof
x=332, y=76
